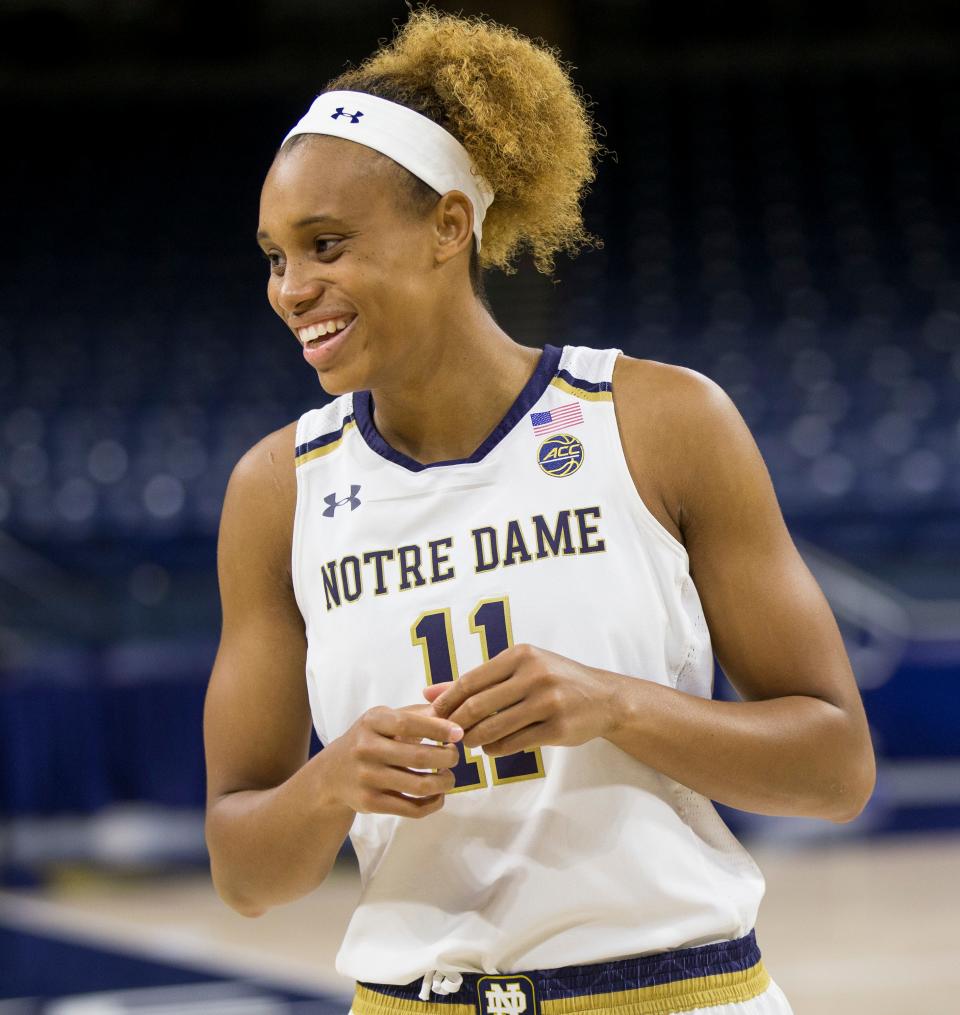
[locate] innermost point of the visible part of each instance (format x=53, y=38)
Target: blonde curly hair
x=510, y=102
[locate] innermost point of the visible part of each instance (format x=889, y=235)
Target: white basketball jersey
x=408, y=574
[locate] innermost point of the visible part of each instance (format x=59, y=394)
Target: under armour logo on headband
x=354, y=117
x=411, y=139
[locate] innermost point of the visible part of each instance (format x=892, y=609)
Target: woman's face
x=344, y=248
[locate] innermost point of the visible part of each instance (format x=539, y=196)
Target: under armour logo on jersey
x=332, y=503
x=354, y=117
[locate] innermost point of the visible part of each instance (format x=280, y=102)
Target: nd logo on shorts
x=560, y=455
x=507, y=995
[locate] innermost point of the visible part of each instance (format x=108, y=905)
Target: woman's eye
x=275, y=260
x=324, y=245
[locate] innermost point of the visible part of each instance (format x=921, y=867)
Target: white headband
x=414, y=141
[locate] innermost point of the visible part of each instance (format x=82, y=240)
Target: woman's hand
x=528, y=697
x=369, y=766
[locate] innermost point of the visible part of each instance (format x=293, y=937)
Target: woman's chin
x=339, y=379
x=333, y=383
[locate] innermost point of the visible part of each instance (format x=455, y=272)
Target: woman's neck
x=464, y=388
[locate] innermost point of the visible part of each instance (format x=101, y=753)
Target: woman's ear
x=453, y=220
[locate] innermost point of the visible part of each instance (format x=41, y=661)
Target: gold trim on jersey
x=660, y=999
x=589, y=396
x=327, y=448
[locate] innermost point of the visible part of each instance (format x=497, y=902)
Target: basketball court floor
x=847, y=928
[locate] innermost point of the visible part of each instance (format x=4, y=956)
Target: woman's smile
x=319, y=349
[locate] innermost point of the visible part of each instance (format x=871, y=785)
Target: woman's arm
x=799, y=743
x=275, y=821
x=273, y=831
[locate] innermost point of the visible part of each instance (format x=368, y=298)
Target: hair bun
x=511, y=103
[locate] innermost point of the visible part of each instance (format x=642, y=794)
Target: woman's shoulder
x=675, y=403
x=269, y=464
x=264, y=479
x=261, y=495
x=655, y=378
x=669, y=416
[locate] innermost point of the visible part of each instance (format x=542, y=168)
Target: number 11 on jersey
x=433, y=632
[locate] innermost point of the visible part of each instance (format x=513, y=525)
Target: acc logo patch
x=560, y=455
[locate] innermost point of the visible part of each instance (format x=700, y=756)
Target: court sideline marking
x=179, y=947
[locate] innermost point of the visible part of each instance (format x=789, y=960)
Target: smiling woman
x=460, y=111
x=493, y=578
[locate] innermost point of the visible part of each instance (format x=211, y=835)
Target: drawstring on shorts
x=439, y=983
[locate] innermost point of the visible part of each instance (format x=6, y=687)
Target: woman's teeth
x=313, y=331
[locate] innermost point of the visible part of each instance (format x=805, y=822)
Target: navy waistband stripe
x=605, y=977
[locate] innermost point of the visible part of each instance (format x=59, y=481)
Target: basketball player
x=493, y=577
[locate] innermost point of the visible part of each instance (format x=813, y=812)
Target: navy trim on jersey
x=545, y=372
x=578, y=382
x=323, y=440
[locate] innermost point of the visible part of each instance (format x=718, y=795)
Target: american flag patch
x=556, y=419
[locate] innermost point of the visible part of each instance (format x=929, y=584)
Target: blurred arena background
x=781, y=214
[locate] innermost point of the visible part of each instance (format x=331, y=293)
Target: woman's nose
x=299, y=287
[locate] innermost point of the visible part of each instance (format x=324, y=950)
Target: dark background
x=780, y=213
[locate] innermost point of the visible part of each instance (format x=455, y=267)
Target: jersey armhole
x=646, y=516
